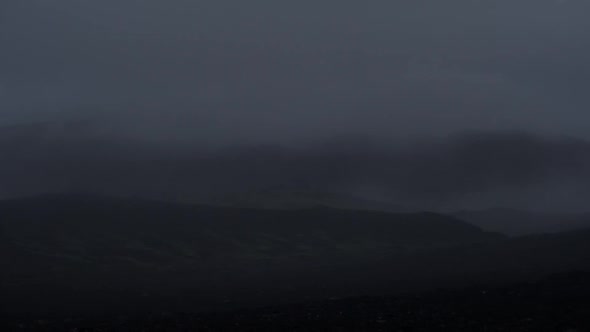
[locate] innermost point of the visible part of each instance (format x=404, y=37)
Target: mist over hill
x=475, y=171
x=521, y=222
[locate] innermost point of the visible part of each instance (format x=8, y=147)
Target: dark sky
x=348, y=88
x=267, y=71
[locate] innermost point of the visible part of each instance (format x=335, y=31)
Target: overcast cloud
x=227, y=71
x=87, y=89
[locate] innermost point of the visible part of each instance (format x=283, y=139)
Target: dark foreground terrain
x=557, y=303
x=75, y=263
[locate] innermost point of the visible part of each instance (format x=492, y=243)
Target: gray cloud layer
x=200, y=78
x=227, y=71
x=467, y=171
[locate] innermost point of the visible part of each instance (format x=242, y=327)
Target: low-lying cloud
x=482, y=169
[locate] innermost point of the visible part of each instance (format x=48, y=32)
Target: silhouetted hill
x=150, y=255
x=522, y=222
x=81, y=225
x=301, y=199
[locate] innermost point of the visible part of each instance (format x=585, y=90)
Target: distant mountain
x=60, y=237
x=59, y=248
x=84, y=156
x=522, y=222
x=301, y=199
x=82, y=226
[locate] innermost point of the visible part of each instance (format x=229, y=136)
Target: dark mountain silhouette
x=522, y=222
x=293, y=198
x=78, y=224
x=96, y=243
x=125, y=252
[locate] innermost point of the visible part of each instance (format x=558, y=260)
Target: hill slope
x=522, y=222
x=112, y=252
x=86, y=227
